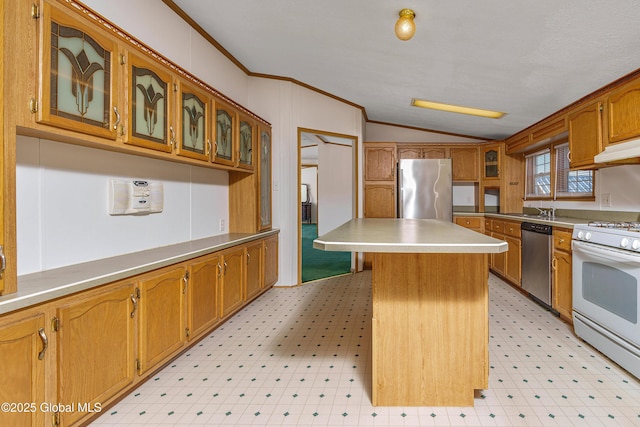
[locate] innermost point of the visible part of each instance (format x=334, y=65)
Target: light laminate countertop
x=40, y=287
x=406, y=236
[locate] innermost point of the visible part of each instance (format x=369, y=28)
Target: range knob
x=635, y=244
x=587, y=235
x=580, y=234
x=624, y=242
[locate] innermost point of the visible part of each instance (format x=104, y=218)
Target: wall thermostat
x=135, y=197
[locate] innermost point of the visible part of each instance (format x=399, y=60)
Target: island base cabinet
x=95, y=336
x=161, y=331
x=23, y=356
x=435, y=314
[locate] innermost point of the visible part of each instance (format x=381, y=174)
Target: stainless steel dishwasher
x=536, y=260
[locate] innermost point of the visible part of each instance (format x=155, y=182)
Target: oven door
x=606, y=289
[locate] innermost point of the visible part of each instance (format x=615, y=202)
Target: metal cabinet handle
x=225, y=268
x=208, y=147
x=172, y=140
x=561, y=241
x=135, y=305
x=45, y=343
x=3, y=261
x=185, y=279
x=554, y=262
x=219, y=270
x=117, y=122
x=248, y=257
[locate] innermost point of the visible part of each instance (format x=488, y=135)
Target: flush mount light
x=456, y=109
x=405, y=27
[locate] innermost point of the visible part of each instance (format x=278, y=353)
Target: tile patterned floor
x=301, y=357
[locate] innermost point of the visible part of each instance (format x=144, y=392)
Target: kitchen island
x=430, y=329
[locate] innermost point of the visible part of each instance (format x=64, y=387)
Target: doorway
x=327, y=198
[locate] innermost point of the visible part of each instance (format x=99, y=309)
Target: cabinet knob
x=561, y=240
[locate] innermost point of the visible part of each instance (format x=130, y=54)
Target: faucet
x=542, y=212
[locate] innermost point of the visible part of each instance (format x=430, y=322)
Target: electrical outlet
x=221, y=224
x=606, y=199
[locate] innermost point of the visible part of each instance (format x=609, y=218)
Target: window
x=563, y=183
x=578, y=183
x=539, y=174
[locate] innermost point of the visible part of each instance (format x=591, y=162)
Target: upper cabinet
x=464, y=163
x=264, y=178
x=491, y=163
x=194, y=125
x=380, y=162
x=246, y=141
x=150, y=105
x=224, y=152
x=585, y=134
x=78, y=80
x=622, y=108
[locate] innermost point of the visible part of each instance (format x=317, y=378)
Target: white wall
x=335, y=186
x=62, y=204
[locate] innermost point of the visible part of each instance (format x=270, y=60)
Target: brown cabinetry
x=562, y=274
x=464, y=163
x=475, y=223
x=202, y=295
x=162, y=331
x=506, y=264
x=254, y=271
x=585, y=134
x=96, y=348
x=231, y=280
x=380, y=162
x=25, y=356
x=379, y=201
x=622, y=107
x=270, y=261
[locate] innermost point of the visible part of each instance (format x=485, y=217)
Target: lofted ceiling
x=526, y=58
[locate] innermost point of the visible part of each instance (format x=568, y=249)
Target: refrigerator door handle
x=399, y=199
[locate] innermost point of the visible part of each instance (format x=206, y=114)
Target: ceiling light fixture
x=456, y=109
x=405, y=27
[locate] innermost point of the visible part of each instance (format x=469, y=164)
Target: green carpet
x=317, y=264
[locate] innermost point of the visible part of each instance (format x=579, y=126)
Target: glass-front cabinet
x=78, y=79
x=149, y=105
x=194, y=128
x=224, y=152
x=264, y=174
x=246, y=141
x=491, y=162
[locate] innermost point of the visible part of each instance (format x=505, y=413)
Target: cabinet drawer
x=512, y=229
x=497, y=226
x=470, y=222
x=562, y=240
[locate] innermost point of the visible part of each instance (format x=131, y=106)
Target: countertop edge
x=42, y=287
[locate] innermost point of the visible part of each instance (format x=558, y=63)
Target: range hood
x=621, y=151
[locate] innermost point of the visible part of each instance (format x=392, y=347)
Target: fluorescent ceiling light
x=456, y=109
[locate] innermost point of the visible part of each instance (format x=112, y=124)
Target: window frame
x=552, y=149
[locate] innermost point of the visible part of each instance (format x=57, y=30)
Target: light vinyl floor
x=301, y=357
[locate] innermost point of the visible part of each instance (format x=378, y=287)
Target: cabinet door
x=194, y=126
x=410, y=153
x=380, y=162
x=623, y=112
x=232, y=271
x=246, y=141
x=264, y=185
x=562, y=284
x=23, y=353
x=150, y=104
x=224, y=152
x=379, y=201
x=585, y=134
x=254, y=279
x=270, y=261
x=78, y=78
x=434, y=153
x=470, y=222
x=202, y=296
x=161, y=330
x=498, y=260
x=465, y=165
x=491, y=163
x=512, y=269
x=95, y=348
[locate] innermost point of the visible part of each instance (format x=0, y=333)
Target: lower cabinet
x=202, y=295
x=506, y=264
x=231, y=281
x=96, y=349
x=474, y=223
x=161, y=329
x=562, y=295
x=83, y=351
x=254, y=279
x=24, y=354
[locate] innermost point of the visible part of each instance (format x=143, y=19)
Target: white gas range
x=606, y=289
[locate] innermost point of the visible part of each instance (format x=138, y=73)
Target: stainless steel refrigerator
x=425, y=189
